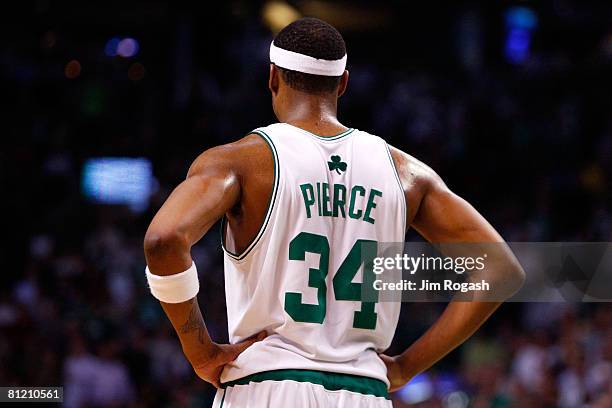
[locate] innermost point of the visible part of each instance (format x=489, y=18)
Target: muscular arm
x=212, y=188
x=441, y=216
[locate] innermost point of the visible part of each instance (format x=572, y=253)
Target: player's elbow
x=520, y=277
x=161, y=243
x=515, y=276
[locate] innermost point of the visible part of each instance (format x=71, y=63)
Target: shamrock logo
x=337, y=164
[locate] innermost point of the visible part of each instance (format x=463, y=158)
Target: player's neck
x=317, y=115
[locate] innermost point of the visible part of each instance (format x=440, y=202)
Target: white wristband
x=175, y=288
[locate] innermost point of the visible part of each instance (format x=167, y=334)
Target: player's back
x=301, y=277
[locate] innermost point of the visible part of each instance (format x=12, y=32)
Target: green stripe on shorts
x=329, y=381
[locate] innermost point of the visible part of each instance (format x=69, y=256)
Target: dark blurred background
x=106, y=105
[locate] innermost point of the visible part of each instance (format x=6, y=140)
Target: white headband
x=306, y=64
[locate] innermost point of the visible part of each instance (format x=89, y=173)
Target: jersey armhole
x=401, y=187
x=240, y=256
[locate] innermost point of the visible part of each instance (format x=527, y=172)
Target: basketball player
x=298, y=199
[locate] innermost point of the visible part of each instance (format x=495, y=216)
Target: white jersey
x=301, y=277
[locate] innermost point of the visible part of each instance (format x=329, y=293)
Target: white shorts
x=303, y=389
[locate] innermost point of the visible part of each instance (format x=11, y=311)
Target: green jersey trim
x=399, y=182
x=257, y=237
x=325, y=138
x=223, y=398
x=329, y=381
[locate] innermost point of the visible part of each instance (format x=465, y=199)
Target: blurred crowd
x=529, y=145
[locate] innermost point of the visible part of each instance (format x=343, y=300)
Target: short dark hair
x=315, y=38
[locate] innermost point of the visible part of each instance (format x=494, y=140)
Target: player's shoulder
x=412, y=171
x=408, y=162
x=237, y=155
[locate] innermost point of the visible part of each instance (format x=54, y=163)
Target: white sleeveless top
x=300, y=279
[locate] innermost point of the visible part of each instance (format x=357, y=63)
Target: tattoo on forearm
x=195, y=322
